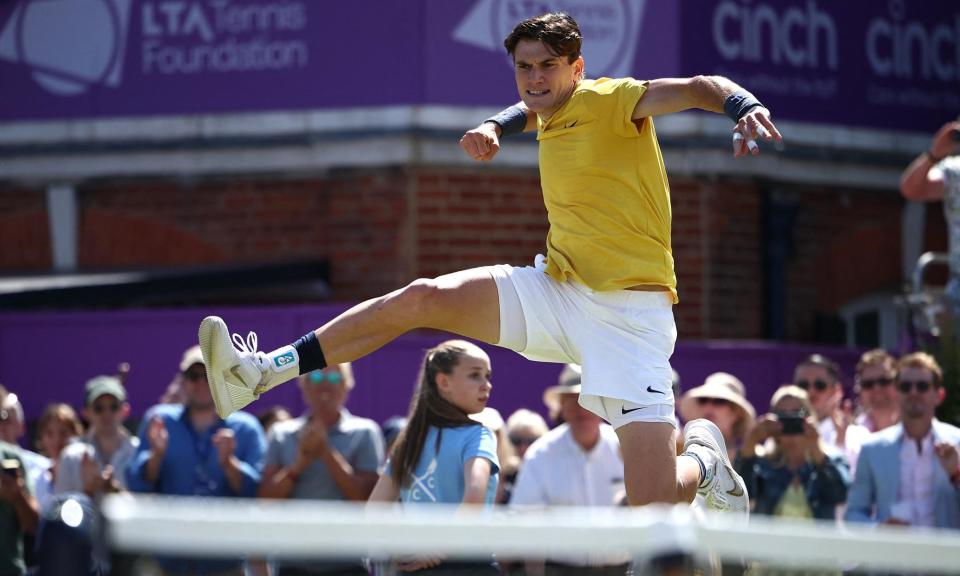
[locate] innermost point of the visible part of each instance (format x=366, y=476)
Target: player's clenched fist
x=482, y=143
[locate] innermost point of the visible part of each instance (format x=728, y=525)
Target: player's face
x=545, y=81
x=467, y=386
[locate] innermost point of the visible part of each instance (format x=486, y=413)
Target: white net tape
x=298, y=529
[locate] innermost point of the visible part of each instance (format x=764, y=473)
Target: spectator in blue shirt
x=186, y=449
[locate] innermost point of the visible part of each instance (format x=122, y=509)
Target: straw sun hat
x=717, y=385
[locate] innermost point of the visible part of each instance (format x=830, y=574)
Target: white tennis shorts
x=622, y=340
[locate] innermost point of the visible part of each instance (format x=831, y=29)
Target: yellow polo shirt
x=606, y=192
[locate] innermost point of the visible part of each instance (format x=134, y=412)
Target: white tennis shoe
x=236, y=372
x=722, y=488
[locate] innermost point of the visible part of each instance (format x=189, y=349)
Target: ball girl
x=442, y=456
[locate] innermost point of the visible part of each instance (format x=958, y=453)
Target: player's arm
x=483, y=142
x=713, y=94
x=921, y=180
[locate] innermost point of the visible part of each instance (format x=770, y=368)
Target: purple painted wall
x=47, y=357
x=885, y=64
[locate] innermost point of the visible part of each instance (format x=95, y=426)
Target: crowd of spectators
x=878, y=456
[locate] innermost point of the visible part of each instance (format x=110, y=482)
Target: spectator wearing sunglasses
x=721, y=400
x=819, y=377
x=95, y=465
x=187, y=450
x=907, y=474
x=524, y=427
x=325, y=454
x=876, y=392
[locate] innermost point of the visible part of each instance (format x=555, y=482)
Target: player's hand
x=482, y=143
x=755, y=124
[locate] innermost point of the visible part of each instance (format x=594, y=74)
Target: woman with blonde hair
x=797, y=475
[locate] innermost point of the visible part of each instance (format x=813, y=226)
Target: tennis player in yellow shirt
x=602, y=296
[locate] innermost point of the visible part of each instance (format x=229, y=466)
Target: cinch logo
x=284, y=359
x=610, y=28
x=68, y=45
x=798, y=36
x=901, y=48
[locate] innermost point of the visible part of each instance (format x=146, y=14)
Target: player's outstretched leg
x=720, y=485
x=464, y=303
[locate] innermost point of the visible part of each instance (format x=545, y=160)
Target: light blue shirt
x=438, y=476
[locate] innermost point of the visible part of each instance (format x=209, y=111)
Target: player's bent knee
x=417, y=300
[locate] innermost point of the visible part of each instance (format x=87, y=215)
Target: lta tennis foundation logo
x=68, y=45
x=611, y=28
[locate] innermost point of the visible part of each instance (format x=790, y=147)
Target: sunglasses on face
x=818, y=385
x=195, y=374
x=333, y=378
x=522, y=440
x=878, y=382
x=921, y=386
x=712, y=401
x=112, y=407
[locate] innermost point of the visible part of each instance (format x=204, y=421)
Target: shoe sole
x=725, y=458
x=208, y=347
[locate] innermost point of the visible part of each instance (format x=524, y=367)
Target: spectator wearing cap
x=721, y=399
x=326, y=454
x=187, y=450
x=876, y=390
x=96, y=464
x=576, y=464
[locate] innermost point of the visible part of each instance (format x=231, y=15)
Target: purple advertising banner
x=875, y=63
x=879, y=63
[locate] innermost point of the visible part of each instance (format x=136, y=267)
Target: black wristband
x=512, y=120
x=310, y=353
x=739, y=103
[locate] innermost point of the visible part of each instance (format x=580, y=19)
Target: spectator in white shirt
x=874, y=384
x=96, y=464
x=576, y=464
x=820, y=378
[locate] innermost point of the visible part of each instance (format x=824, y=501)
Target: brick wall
x=846, y=244
x=354, y=220
x=24, y=230
x=382, y=228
